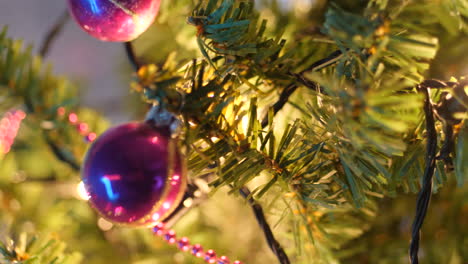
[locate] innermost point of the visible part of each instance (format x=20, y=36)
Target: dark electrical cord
x=262, y=222
x=424, y=195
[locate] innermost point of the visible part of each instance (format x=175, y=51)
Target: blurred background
x=104, y=85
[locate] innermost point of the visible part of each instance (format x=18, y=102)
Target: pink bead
x=210, y=256
x=159, y=229
x=170, y=236
x=183, y=244
x=197, y=250
x=237, y=262
x=73, y=118
x=90, y=137
x=82, y=128
x=223, y=260
x=61, y=111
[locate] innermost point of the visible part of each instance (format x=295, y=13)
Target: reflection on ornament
x=114, y=20
x=81, y=192
x=132, y=178
x=106, y=179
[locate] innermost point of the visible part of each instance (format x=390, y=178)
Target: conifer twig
x=46, y=44
x=424, y=195
x=61, y=155
x=260, y=216
x=289, y=90
x=53, y=33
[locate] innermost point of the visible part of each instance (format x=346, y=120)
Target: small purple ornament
x=114, y=20
x=134, y=174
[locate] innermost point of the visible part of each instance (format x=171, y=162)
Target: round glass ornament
x=114, y=20
x=134, y=174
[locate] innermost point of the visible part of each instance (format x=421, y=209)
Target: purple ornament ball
x=114, y=20
x=134, y=174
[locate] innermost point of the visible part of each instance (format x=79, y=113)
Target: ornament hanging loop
x=160, y=117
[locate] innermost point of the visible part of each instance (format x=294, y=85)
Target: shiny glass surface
x=129, y=176
x=114, y=20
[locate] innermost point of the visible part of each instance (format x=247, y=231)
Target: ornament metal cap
x=160, y=117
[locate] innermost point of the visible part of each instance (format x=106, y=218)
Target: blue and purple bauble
x=134, y=174
x=114, y=20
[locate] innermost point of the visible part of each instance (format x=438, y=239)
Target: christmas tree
x=282, y=131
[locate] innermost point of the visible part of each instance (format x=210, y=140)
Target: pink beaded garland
x=81, y=127
x=114, y=20
x=184, y=244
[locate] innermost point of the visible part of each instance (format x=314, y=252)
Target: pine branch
x=32, y=85
x=62, y=154
x=36, y=249
x=300, y=78
x=41, y=92
x=348, y=137
x=46, y=45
